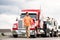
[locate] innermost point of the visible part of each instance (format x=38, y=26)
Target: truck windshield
x=32, y=15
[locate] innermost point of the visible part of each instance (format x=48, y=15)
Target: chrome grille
x=20, y=24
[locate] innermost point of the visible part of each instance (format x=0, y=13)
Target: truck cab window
x=32, y=15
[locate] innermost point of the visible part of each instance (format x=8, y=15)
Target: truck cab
x=51, y=27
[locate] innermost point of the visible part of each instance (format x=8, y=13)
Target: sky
x=10, y=9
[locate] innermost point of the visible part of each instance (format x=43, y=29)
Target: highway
x=8, y=36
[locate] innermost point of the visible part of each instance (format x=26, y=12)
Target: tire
x=52, y=35
x=38, y=35
x=55, y=34
x=32, y=36
x=15, y=35
x=43, y=35
x=47, y=35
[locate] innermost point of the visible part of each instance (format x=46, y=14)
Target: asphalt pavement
x=10, y=37
x=53, y=38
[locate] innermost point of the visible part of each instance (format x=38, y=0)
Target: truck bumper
x=23, y=32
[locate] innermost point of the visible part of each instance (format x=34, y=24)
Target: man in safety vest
x=27, y=24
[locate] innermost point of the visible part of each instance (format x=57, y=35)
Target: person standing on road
x=27, y=23
x=36, y=27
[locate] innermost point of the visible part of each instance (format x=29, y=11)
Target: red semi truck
x=19, y=29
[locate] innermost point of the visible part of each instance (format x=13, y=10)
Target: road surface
x=31, y=38
x=9, y=37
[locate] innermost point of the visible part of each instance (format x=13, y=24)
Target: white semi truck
x=50, y=27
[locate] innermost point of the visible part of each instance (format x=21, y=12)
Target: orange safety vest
x=27, y=21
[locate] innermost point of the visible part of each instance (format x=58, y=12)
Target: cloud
x=32, y=5
x=51, y=8
x=17, y=3
x=9, y=10
x=6, y=21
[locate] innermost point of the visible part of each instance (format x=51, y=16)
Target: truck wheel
x=15, y=35
x=32, y=36
x=47, y=35
x=51, y=35
x=55, y=34
x=38, y=35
